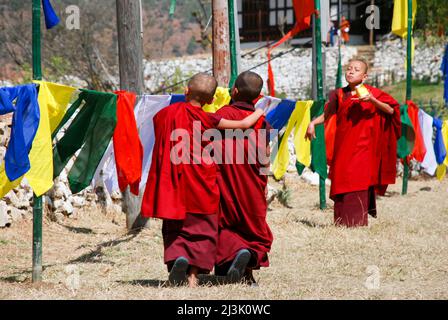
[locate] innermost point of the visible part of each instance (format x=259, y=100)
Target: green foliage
x=192, y=45
x=432, y=17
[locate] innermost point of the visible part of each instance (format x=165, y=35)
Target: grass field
x=422, y=92
x=406, y=248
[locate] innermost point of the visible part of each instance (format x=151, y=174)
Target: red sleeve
x=332, y=105
x=214, y=118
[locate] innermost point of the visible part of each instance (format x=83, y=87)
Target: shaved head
x=202, y=88
x=249, y=86
x=361, y=61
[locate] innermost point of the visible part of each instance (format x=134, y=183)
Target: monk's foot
x=178, y=274
x=238, y=267
x=193, y=280
x=249, y=279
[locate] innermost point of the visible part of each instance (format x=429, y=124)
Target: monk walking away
x=244, y=235
x=185, y=193
x=362, y=126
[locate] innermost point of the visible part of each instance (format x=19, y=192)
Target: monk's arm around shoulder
x=246, y=123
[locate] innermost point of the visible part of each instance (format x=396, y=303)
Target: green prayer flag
x=407, y=139
x=318, y=149
x=300, y=167
x=90, y=132
x=339, y=72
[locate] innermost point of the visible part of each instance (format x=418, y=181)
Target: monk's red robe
x=365, y=145
x=185, y=195
x=243, y=206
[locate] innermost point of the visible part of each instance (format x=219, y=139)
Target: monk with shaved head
x=244, y=235
x=182, y=185
x=362, y=126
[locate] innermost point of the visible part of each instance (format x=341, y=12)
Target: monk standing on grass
x=361, y=133
x=182, y=188
x=244, y=235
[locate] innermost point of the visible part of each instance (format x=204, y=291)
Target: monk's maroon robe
x=185, y=196
x=243, y=206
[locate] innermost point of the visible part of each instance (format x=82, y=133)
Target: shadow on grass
x=18, y=278
x=78, y=230
x=204, y=280
x=311, y=224
x=97, y=255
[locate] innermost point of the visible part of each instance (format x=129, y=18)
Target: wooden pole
x=408, y=88
x=130, y=53
x=37, y=203
x=221, y=42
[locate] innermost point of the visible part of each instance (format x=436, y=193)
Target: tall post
x=221, y=43
x=339, y=72
x=37, y=202
x=408, y=87
x=318, y=91
x=130, y=54
x=372, y=30
x=233, y=40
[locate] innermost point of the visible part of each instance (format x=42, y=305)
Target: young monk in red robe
x=244, y=235
x=363, y=149
x=182, y=187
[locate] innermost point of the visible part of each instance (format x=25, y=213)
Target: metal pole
x=319, y=84
x=37, y=203
x=233, y=53
x=408, y=88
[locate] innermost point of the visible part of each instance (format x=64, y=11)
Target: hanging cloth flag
x=407, y=139
x=444, y=69
x=429, y=164
x=439, y=149
x=90, y=132
x=419, y=151
x=267, y=103
x=303, y=10
x=279, y=117
x=51, y=18
x=400, y=19
x=127, y=146
x=221, y=99
x=175, y=98
x=147, y=106
x=53, y=102
x=299, y=122
x=339, y=72
x=445, y=139
x=318, y=153
x=24, y=127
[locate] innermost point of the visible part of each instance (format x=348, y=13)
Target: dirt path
x=402, y=254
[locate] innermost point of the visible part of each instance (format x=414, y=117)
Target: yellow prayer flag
x=221, y=99
x=441, y=171
x=445, y=139
x=400, y=18
x=299, y=120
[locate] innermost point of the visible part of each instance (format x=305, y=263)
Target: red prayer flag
x=303, y=10
x=128, y=148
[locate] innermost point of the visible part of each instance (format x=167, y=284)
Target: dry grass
x=310, y=259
